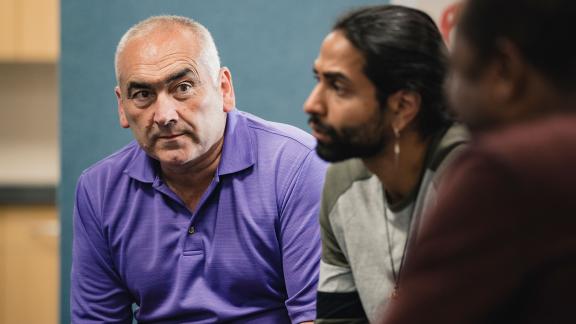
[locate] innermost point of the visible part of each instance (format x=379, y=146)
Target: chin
x=174, y=158
x=174, y=161
x=329, y=154
x=344, y=150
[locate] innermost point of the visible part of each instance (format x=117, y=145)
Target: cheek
x=140, y=123
x=352, y=111
x=463, y=97
x=206, y=121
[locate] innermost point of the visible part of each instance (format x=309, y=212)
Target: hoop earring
x=396, y=146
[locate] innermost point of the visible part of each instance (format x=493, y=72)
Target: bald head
x=148, y=27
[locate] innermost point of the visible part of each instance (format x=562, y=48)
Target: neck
x=189, y=181
x=400, y=177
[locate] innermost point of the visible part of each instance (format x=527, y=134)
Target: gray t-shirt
x=356, y=277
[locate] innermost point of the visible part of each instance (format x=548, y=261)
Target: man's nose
x=166, y=111
x=314, y=104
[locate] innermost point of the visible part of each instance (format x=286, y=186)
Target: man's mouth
x=319, y=133
x=170, y=136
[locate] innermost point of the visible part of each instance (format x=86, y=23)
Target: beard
x=361, y=141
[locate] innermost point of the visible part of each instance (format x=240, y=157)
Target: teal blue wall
x=268, y=45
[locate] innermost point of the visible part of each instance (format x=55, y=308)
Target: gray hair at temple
x=209, y=56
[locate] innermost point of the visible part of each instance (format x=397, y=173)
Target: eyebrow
x=133, y=85
x=136, y=85
x=180, y=74
x=333, y=76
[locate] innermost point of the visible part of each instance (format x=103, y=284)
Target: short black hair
x=540, y=29
x=403, y=50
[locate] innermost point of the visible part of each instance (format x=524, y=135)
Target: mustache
x=319, y=126
x=154, y=133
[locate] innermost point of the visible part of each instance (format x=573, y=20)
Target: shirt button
x=191, y=230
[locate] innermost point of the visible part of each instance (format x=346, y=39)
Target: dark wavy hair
x=403, y=50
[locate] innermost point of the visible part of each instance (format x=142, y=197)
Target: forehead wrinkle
x=190, y=63
x=156, y=73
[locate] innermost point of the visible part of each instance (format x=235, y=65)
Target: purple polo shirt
x=248, y=254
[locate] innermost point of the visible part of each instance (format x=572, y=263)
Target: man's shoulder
x=343, y=174
x=275, y=132
x=452, y=142
x=341, y=177
x=549, y=139
x=280, y=151
x=532, y=152
x=115, y=163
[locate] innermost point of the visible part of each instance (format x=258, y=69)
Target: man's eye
x=183, y=88
x=142, y=98
x=141, y=95
x=336, y=86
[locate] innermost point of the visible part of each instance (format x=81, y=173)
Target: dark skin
x=509, y=89
x=507, y=92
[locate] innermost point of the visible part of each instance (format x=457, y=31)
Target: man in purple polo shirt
x=210, y=215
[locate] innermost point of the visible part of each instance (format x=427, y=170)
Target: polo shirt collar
x=142, y=167
x=238, y=152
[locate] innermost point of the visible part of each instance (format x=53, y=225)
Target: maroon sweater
x=500, y=246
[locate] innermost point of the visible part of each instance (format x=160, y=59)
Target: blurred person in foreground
x=378, y=112
x=500, y=247
x=210, y=215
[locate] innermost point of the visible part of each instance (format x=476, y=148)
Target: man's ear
x=227, y=88
x=404, y=106
x=509, y=75
x=121, y=114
